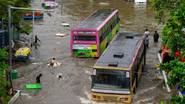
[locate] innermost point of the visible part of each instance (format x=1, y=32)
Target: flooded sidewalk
x=151, y=89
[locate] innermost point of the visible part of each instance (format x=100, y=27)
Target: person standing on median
x=156, y=37
x=147, y=33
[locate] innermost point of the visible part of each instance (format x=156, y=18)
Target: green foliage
x=176, y=75
x=4, y=7
x=17, y=23
x=164, y=7
x=25, y=27
x=177, y=100
x=172, y=14
x=16, y=14
x=3, y=82
x=3, y=89
x=175, y=70
x=3, y=68
x=3, y=54
x=169, y=66
x=173, y=36
x=182, y=84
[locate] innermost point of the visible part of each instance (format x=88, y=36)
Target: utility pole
x=10, y=46
x=33, y=22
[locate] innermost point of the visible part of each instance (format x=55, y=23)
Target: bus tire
x=106, y=45
x=143, y=67
x=116, y=31
x=134, y=91
x=136, y=83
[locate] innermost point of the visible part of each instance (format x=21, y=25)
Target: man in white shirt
x=147, y=33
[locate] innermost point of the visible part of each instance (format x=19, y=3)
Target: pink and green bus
x=91, y=37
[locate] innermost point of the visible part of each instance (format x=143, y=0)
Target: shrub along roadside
x=177, y=100
x=171, y=13
x=176, y=72
x=4, y=84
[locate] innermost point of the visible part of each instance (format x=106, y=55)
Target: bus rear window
x=85, y=38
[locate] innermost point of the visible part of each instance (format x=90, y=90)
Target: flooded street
x=74, y=87
x=134, y=17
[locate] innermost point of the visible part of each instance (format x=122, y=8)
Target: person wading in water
x=38, y=78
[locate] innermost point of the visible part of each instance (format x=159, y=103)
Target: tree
x=16, y=14
x=17, y=22
x=163, y=8
x=172, y=14
x=173, y=36
x=5, y=3
x=4, y=97
x=4, y=7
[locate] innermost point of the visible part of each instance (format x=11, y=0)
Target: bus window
x=85, y=38
x=112, y=79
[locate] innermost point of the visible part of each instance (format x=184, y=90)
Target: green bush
x=4, y=97
x=175, y=70
x=177, y=100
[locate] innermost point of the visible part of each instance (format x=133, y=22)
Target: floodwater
x=74, y=88
x=134, y=17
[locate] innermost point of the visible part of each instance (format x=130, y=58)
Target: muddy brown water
x=75, y=86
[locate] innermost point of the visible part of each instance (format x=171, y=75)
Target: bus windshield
x=111, y=80
x=85, y=38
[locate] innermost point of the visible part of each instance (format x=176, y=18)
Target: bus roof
x=96, y=19
x=120, y=53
